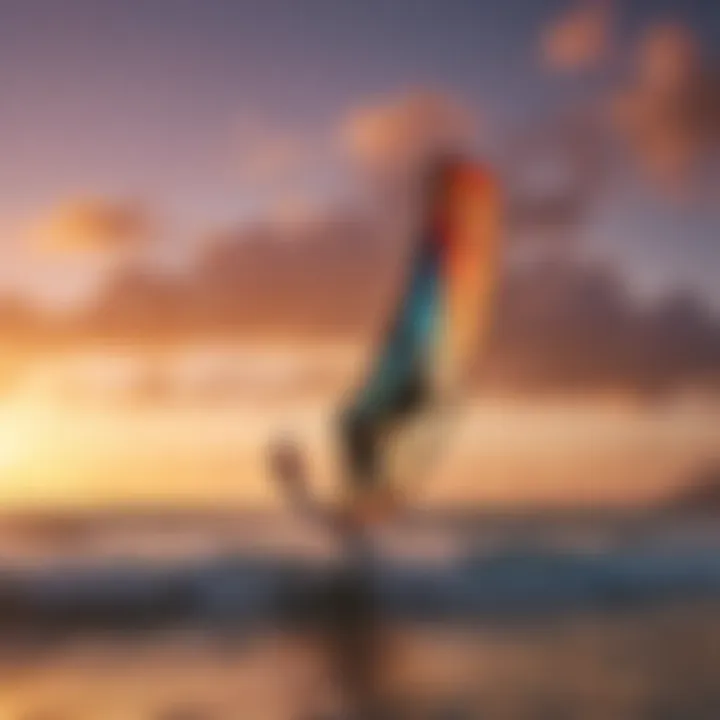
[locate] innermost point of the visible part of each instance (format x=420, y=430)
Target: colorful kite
x=424, y=362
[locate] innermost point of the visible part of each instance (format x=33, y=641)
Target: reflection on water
x=633, y=666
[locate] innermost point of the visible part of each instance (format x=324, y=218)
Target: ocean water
x=221, y=615
x=179, y=613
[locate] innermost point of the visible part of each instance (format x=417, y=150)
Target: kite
x=423, y=365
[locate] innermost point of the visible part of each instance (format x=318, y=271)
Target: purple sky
x=151, y=100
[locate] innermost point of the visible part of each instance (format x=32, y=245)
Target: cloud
x=395, y=134
x=296, y=213
x=87, y=225
x=575, y=324
x=269, y=154
x=669, y=112
x=579, y=39
x=560, y=324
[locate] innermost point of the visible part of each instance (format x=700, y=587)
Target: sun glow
x=16, y=438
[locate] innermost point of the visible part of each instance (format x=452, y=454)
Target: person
x=351, y=622
x=421, y=370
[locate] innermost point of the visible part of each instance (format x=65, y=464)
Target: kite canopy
x=442, y=315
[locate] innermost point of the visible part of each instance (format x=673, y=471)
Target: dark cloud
x=570, y=324
x=668, y=112
x=304, y=279
x=561, y=324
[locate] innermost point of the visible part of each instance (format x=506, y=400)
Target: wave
x=252, y=589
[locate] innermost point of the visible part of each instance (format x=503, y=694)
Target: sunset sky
x=159, y=133
x=176, y=118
